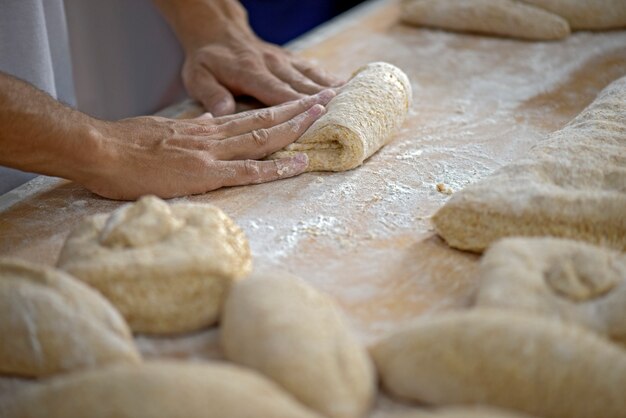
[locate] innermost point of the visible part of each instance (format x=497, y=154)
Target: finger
x=239, y=173
x=262, y=142
x=269, y=89
x=214, y=97
x=316, y=74
x=266, y=118
x=293, y=77
x=207, y=116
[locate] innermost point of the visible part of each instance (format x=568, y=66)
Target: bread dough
x=455, y=412
x=51, y=323
x=571, y=185
x=569, y=280
x=493, y=17
x=156, y=390
x=288, y=331
x=358, y=122
x=167, y=268
x=506, y=359
x=587, y=14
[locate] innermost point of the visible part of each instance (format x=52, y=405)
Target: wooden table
x=364, y=236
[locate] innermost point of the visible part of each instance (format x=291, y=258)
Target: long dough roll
x=358, y=122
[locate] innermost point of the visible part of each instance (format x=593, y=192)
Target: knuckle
x=260, y=137
x=266, y=116
x=251, y=169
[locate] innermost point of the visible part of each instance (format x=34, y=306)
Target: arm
x=132, y=157
x=224, y=57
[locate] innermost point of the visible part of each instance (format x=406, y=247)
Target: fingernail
x=327, y=94
x=301, y=160
x=317, y=110
x=292, y=166
x=222, y=107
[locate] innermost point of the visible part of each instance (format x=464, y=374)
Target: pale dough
x=571, y=185
x=454, y=412
x=498, y=17
x=363, y=117
x=506, y=359
x=573, y=281
x=52, y=323
x=288, y=331
x=587, y=14
x=167, y=268
x=156, y=390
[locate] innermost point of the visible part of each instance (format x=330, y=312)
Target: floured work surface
x=364, y=236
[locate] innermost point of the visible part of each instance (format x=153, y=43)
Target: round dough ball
x=167, y=268
x=157, y=390
x=51, y=323
x=282, y=327
x=505, y=359
x=570, y=280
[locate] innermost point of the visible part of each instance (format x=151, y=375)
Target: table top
x=364, y=236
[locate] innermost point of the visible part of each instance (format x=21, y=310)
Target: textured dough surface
x=167, y=268
x=573, y=281
x=363, y=117
x=156, y=390
x=291, y=333
x=498, y=17
x=51, y=323
x=502, y=358
x=587, y=14
x=571, y=185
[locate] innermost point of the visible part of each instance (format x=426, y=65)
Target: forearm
x=39, y=134
x=197, y=21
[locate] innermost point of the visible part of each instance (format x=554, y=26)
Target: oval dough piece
x=358, y=121
x=288, y=331
x=502, y=358
x=570, y=185
x=570, y=280
x=587, y=14
x=156, y=390
x=51, y=323
x=492, y=17
x=167, y=268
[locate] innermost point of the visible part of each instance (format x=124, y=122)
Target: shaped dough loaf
x=505, y=359
x=156, y=390
x=296, y=336
x=587, y=14
x=571, y=185
x=498, y=17
x=358, y=121
x=51, y=323
x=570, y=280
x=166, y=268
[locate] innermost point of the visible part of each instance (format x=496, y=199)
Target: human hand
x=169, y=158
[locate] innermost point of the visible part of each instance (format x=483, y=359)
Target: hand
x=169, y=158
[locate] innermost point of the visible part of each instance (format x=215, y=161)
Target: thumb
x=215, y=98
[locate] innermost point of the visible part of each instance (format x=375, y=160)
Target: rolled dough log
x=167, y=268
x=358, y=122
x=587, y=14
x=502, y=358
x=571, y=185
x=493, y=17
x=296, y=336
x=156, y=390
x=573, y=281
x=52, y=323
x=455, y=412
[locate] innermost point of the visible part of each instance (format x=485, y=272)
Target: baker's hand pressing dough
x=362, y=118
x=492, y=17
x=569, y=280
x=156, y=390
x=506, y=359
x=167, y=268
x=51, y=323
x=288, y=331
x=571, y=185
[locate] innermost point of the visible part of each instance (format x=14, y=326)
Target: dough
x=156, y=390
x=455, y=412
x=167, y=268
x=570, y=280
x=358, y=122
x=587, y=14
x=288, y=331
x=571, y=185
x=498, y=17
x=505, y=359
x=51, y=323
